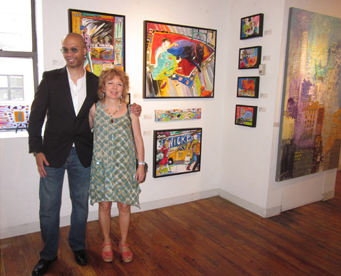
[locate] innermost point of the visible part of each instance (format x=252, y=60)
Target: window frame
x=10, y=87
x=29, y=55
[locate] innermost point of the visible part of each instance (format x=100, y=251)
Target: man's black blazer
x=63, y=127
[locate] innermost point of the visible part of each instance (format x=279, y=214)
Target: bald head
x=74, y=51
x=74, y=37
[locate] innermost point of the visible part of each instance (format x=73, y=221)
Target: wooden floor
x=205, y=237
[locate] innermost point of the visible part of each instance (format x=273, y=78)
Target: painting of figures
x=251, y=26
x=104, y=38
x=179, y=61
x=248, y=87
x=246, y=115
x=249, y=57
x=177, y=114
x=310, y=136
x=177, y=151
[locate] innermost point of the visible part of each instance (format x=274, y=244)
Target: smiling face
x=74, y=50
x=113, y=74
x=113, y=88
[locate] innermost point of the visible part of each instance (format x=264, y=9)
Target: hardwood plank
x=206, y=237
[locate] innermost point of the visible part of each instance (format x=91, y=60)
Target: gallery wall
x=165, y=191
x=257, y=149
x=238, y=163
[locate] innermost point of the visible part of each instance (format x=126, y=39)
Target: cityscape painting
x=310, y=135
x=176, y=151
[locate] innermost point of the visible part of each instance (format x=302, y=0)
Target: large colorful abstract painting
x=310, y=137
x=179, y=61
x=177, y=151
x=104, y=36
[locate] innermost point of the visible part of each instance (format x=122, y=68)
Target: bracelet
x=141, y=163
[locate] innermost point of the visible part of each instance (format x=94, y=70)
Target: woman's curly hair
x=110, y=73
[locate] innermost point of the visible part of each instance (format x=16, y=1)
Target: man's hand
x=136, y=109
x=41, y=160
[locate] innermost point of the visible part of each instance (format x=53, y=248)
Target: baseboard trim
x=328, y=195
x=33, y=227
x=151, y=205
x=265, y=213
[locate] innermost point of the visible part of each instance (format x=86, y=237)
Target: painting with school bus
x=177, y=151
x=179, y=61
x=310, y=137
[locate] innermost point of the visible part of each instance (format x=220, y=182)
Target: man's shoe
x=42, y=266
x=81, y=257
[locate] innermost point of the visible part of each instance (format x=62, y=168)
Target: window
x=18, y=62
x=11, y=88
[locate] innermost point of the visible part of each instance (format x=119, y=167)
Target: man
x=64, y=97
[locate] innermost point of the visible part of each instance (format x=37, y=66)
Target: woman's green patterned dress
x=113, y=166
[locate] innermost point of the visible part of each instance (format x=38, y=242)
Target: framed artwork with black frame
x=251, y=26
x=104, y=35
x=246, y=115
x=249, y=57
x=176, y=151
x=179, y=61
x=248, y=87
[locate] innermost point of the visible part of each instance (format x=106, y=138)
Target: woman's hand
x=140, y=174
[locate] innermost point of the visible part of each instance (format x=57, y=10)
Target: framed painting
x=246, y=115
x=128, y=98
x=179, y=61
x=176, y=151
x=104, y=36
x=310, y=128
x=177, y=114
x=250, y=57
x=251, y=26
x=14, y=117
x=248, y=87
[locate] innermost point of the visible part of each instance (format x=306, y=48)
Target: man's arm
x=36, y=120
x=37, y=116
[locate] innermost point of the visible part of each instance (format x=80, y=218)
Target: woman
x=114, y=176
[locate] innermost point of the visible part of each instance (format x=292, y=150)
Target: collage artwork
x=104, y=38
x=310, y=139
x=176, y=151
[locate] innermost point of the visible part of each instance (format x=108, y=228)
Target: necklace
x=112, y=114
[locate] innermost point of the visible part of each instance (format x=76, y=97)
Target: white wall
x=238, y=163
x=247, y=152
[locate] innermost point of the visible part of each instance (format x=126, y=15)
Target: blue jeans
x=50, y=193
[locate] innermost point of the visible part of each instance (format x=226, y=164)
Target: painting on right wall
x=310, y=134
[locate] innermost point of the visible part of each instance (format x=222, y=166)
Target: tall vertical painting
x=104, y=38
x=310, y=136
x=179, y=61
